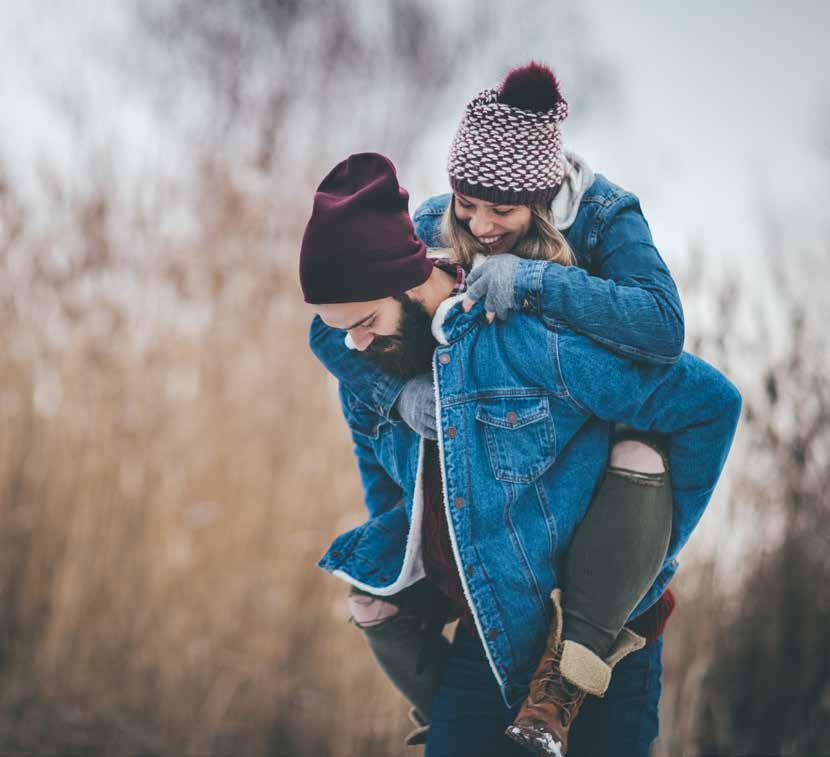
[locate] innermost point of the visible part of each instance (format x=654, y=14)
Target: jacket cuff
x=527, y=285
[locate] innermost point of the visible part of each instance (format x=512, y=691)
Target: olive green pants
x=616, y=553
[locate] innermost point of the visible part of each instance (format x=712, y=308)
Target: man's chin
x=409, y=352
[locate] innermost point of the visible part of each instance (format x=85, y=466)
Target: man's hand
x=416, y=405
x=493, y=283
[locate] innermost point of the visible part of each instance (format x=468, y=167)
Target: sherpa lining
x=440, y=316
x=584, y=669
x=412, y=569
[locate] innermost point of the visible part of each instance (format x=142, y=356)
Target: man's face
x=395, y=332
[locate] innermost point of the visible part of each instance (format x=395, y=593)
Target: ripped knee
x=636, y=456
x=368, y=612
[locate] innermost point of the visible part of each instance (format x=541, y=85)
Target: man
x=524, y=414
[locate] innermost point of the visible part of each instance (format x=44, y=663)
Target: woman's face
x=497, y=227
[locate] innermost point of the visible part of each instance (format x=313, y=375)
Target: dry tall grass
x=173, y=461
x=170, y=473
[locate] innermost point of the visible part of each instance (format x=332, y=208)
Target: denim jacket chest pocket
x=520, y=435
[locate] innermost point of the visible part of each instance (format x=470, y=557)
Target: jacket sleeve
x=380, y=492
x=376, y=390
x=695, y=406
x=631, y=306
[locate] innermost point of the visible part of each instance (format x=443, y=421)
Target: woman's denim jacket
x=525, y=408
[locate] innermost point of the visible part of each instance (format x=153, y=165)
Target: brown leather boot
x=545, y=718
x=566, y=673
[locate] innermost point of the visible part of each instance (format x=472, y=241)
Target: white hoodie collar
x=578, y=177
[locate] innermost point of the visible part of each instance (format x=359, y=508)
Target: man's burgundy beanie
x=359, y=244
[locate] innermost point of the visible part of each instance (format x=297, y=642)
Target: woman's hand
x=416, y=406
x=493, y=283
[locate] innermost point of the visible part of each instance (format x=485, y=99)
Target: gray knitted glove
x=416, y=405
x=492, y=284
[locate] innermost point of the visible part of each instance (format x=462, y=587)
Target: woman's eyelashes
x=496, y=211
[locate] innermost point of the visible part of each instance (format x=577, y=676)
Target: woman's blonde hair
x=543, y=241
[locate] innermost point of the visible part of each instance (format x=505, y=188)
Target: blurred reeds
x=163, y=508
x=173, y=460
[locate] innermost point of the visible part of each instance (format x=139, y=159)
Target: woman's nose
x=481, y=225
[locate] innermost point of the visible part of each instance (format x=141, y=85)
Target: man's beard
x=409, y=352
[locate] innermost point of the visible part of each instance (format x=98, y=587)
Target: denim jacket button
x=452, y=432
x=512, y=417
x=443, y=358
x=493, y=634
x=459, y=502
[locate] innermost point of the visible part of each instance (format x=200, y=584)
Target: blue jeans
x=469, y=716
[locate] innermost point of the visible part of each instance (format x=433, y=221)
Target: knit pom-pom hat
x=508, y=147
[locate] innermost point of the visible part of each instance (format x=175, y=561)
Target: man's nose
x=361, y=338
x=481, y=225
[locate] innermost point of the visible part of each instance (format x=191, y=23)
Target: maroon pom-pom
x=531, y=87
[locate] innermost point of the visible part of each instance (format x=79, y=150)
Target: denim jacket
x=525, y=409
x=620, y=294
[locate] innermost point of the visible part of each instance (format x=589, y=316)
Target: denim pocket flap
x=520, y=436
x=513, y=412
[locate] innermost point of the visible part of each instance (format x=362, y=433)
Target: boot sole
x=537, y=741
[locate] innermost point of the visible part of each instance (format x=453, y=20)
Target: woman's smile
x=492, y=243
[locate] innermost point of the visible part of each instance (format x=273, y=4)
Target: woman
x=515, y=190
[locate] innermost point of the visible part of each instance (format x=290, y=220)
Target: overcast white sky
x=726, y=96
x=720, y=105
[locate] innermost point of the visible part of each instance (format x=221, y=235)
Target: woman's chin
x=493, y=249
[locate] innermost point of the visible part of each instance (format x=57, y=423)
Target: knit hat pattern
x=506, y=154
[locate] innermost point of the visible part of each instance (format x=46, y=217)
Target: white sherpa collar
x=440, y=316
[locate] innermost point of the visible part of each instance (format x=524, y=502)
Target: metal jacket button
x=459, y=502
x=452, y=432
x=512, y=417
x=443, y=358
x=493, y=634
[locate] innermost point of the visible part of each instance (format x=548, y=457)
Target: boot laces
x=552, y=686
